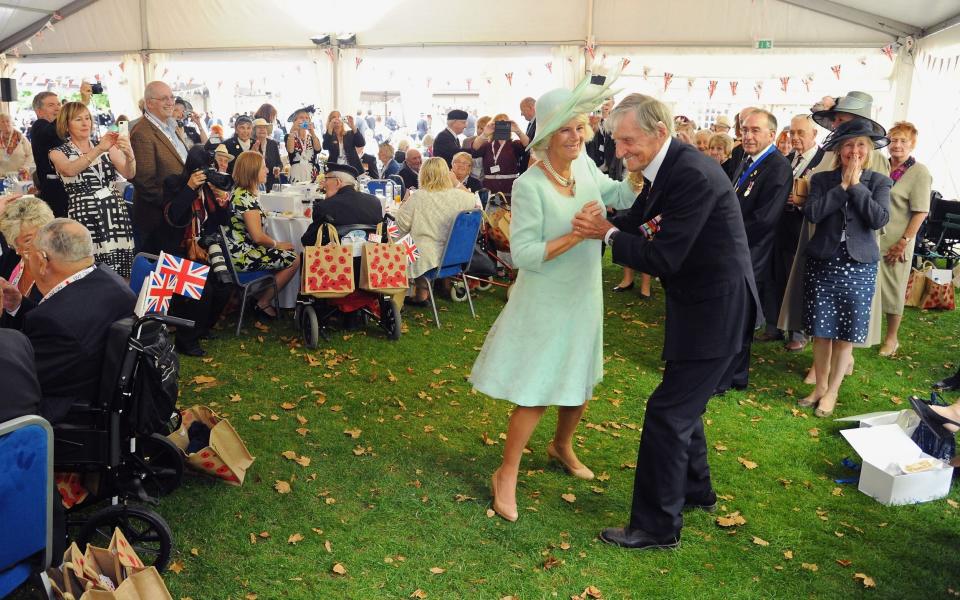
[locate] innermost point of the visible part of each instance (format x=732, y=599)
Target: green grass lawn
x=403, y=506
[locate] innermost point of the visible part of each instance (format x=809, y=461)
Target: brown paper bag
x=916, y=284
x=226, y=457
x=938, y=296
x=383, y=268
x=145, y=584
x=328, y=270
x=75, y=579
x=102, y=562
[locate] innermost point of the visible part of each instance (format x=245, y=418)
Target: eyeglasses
x=163, y=98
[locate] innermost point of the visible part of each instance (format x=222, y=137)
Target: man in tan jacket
x=160, y=153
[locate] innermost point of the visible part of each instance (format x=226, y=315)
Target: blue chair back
x=398, y=181
x=383, y=186
x=26, y=497
x=143, y=265
x=458, y=250
x=128, y=194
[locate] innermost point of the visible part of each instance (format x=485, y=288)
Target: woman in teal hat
x=546, y=347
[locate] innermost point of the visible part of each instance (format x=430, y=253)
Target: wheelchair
x=118, y=442
x=314, y=316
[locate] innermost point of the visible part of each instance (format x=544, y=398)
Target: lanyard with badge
x=496, y=157
x=753, y=167
x=76, y=276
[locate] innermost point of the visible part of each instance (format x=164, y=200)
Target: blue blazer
x=863, y=209
x=392, y=168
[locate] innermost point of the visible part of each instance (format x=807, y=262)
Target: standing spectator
x=783, y=142
x=422, y=127
x=86, y=98
x=720, y=146
x=303, y=145
x=44, y=138
x=16, y=155
x=159, y=153
x=602, y=149
x=88, y=171
x=189, y=125
x=342, y=144
x=371, y=120
x=471, y=128
x=268, y=113
x=242, y=139
x=702, y=140
x=446, y=145
x=269, y=149
x=848, y=205
x=528, y=110
x=500, y=157
x=909, y=205
x=721, y=125
x=391, y=122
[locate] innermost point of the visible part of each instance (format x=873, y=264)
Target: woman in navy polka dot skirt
x=848, y=205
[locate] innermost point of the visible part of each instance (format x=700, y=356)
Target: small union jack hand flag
x=159, y=292
x=392, y=230
x=186, y=277
x=410, y=248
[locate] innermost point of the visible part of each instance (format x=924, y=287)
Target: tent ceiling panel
x=919, y=13
x=725, y=23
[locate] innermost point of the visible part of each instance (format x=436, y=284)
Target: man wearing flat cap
x=343, y=204
x=446, y=145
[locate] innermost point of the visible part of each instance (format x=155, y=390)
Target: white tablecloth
x=284, y=202
x=288, y=229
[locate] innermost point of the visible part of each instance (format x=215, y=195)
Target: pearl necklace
x=563, y=181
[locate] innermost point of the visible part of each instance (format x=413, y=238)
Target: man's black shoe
x=193, y=349
x=719, y=392
x=637, y=539
x=739, y=386
x=707, y=505
x=949, y=384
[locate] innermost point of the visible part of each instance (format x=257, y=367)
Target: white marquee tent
x=426, y=55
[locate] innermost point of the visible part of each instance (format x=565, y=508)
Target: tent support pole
x=902, y=84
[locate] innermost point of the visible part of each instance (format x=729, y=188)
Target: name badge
x=103, y=194
x=601, y=147
x=495, y=169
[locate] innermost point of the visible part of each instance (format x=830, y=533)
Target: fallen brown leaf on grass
x=810, y=566
x=339, y=569
x=437, y=570
x=288, y=406
x=814, y=432
x=303, y=461
x=731, y=520
x=953, y=503
x=176, y=566
x=353, y=433
x=551, y=562
x=235, y=398
x=293, y=539
x=749, y=464
x=719, y=447
x=282, y=487
x=571, y=498
x=486, y=439
x=788, y=554
x=760, y=542
x=844, y=562
x=195, y=551
x=289, y=454
x=867, y=581
x=328, y=546
x=418, y=594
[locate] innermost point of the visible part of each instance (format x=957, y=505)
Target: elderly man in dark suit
x=445, y=145
x=43, y=139
x=410, y=173
x=343, y=204
x=690, y=234
x=160, y=153
x=68, y=328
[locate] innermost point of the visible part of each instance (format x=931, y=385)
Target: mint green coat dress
x=546, y=347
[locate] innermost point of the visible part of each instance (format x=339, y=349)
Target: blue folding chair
x=385, y=187
x=250, y=283
x=26, y=500
x=398, y=181
x=457, y=254
x=143, y=265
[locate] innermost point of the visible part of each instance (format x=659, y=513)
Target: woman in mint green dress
x=546, y=347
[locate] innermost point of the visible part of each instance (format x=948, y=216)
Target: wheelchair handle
x=165, y=319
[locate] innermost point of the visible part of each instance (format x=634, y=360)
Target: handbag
x=929, y=442
x=916, y=284
x=328, y=270
x=383, y=268
x=938, y=292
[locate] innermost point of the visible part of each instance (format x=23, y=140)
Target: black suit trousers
x=203, y=312
x=672, y=464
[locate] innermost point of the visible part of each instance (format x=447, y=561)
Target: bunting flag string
x=784, y=81
x=836, y=71
x=690, y=82
x=667, y=78
x=509, y=77
x=356, y=62
x=549, y=66
x=711, y=88
x=733, y=87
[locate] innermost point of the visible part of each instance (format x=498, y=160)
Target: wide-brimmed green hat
x=556, y=107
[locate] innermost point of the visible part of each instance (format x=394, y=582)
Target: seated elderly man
x=343, y=204
x=462, y=165
x=68, y=327
x=410, y=173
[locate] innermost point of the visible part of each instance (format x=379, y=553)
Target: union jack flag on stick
x=186, y=278
x=159, y=292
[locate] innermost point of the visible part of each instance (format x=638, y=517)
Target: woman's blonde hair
x=330, y=117
x=27, y=211
x=837, y=164
x=435, y=175
x=67, y=114
x=246, y=170
x=541, y=147
x=481, y=123
x=722, y=138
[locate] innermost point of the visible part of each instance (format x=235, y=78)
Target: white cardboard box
x=906, y=419
x=882, y=448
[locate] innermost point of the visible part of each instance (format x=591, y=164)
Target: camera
x=218, y=263
x=221, y=181
x=97, y=88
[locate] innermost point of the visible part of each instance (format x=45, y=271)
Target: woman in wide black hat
x=848, y=204
x=303, y=145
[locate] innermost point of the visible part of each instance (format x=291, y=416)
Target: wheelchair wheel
x=458, y=292
x=390, y=318
x=484, y=285
x=146, y=531
x=162, y=465
x=310, y=327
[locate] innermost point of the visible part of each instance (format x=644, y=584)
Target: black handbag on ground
x=942, y=448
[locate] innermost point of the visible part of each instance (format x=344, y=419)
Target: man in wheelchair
x=68, y=327
x=343, y=204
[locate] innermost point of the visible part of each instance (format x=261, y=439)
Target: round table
x=288, y=229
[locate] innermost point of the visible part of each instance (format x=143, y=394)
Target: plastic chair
x=250, y=283
x=457, y=254
x=26, y=500
x=143, y=265
x=382, y=186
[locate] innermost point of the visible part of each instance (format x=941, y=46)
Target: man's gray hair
x=646, y=110
x=771, y=119
x=65, y=240
x=345, y=179
x=39, y=98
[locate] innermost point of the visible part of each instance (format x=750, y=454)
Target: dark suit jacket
x=351, y=140
x=762, y=206
x=445, y=145
x=410, y=178
x=43, y=139
x=156, y=159
x=346, y=207
x=18, y=373
x=864, y=208
x=700, y=255
x=524, y=159
x=732, y=164
x=234, y=148
x=370, y=166
x=472, y=183
x=391, y=168
x=69, y=343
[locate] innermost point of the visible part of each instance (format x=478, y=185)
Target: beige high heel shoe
x=580, y=472
x=506, y=512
